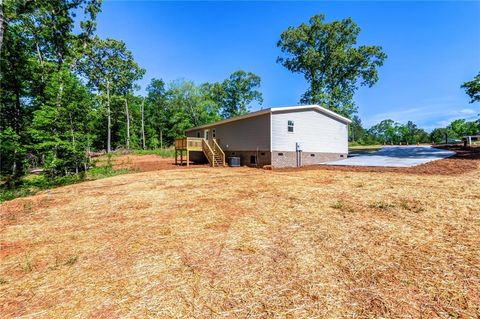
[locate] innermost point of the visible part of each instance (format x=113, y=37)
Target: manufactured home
x=279, y=136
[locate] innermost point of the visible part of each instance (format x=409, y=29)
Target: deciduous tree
x=111, y=70
x=237, y=92
x=329, y=58
x=472, y=88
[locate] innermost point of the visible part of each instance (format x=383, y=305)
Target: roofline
x=273, y=110
x=312, y=106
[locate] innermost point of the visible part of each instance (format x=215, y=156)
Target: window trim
x=290, y=125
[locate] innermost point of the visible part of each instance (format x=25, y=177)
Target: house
x=279, y=136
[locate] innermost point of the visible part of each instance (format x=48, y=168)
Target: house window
x=253, y=160
x=312, y=155
x=262, y=153
x=198, y=134
x=280, y=154
x=290, y=126
x=214, y=133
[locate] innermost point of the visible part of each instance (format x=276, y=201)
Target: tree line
x=66, y=92
x=394, y=133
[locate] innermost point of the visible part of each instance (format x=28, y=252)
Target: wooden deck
x=211, y=149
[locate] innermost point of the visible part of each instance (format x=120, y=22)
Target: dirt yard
x=238, y=243
x=144, y=163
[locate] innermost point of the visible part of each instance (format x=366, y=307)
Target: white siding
x=314, y=131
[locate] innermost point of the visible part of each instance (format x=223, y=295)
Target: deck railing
x=211, y=149
x=207, y=150
x=189, y=143
x=218, y=150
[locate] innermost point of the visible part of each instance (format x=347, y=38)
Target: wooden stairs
x=211, y=149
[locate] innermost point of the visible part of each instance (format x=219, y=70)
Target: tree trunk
x=18, y=110
x=60, y=93
x=161, y=139
x=128, y=122
x=72, y=131
x=2, y=27
x=143, y=124
x=109, y=120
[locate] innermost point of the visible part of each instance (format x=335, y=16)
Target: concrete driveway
x=396, y=156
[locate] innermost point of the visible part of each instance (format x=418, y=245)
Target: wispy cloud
x=428, y=115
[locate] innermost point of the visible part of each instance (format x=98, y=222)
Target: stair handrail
x=210, y=154
x=219, y=149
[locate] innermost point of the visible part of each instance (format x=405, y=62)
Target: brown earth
x=464, y=161
x=145, y=163
x=237, y=243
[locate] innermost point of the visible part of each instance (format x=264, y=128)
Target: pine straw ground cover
x=245, y=243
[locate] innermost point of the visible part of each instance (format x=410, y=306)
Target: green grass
x=163, y=152
x=31, y=184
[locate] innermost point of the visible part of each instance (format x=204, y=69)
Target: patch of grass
x=71, y=260
x=343, y=206
x=338, y=205
x=411, y=206
x=103, y=172
x=163, y=152
x=31, y=184
x=9, y=194
x=28, y=263
x=27, y=207
x=381, y=204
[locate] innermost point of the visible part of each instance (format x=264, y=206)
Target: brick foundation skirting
x=248, y=157
x=289, y=159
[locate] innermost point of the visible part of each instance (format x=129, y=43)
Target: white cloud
x=468, y=111
x=427, y=115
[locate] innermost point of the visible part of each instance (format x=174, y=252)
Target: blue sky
x=432, y=47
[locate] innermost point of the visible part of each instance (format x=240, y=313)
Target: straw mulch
x=244, y=243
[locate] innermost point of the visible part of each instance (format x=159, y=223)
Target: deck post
x=188, y=158
x=181, y=157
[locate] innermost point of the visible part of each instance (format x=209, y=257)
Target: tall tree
x=142, y=112
x=61, y=131
x=1, y=26
x=472, y=88
x=39, y=44
x=111, y=70
x=385, y=132
x=357, y=132
x=189, y=105
x=156, y=113
x=410, y=133
x=326, y=55
x=440, y=135
x=237, y=92
x=461, y=127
